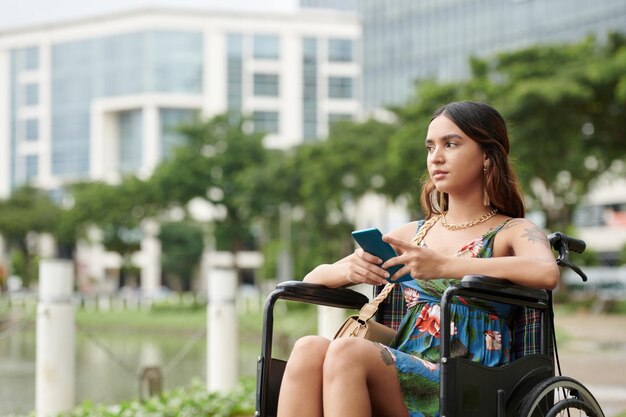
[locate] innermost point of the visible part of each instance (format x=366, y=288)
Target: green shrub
x=191, y=401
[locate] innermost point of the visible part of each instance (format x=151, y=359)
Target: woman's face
x=455, y=161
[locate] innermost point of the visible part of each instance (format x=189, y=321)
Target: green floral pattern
x=479, y=331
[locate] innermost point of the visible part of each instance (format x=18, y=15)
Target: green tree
x=25, y=214
x=564, y=104
x=333, y=173
x=224, y=164
x=117, y=211
x=181, y=248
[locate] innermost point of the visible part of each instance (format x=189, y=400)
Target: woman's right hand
x=363, y=267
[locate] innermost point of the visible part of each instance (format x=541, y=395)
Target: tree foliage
x=565, y=105
x=27, y=213
x=221, y=163
x=182, y=244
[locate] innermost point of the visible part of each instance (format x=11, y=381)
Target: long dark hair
x=483, y=124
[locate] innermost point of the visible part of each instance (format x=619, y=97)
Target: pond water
x=107, y=366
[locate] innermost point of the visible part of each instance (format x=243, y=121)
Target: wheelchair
x=528, y=386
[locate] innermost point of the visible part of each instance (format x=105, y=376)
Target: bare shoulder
x=524, y=231
x=404, y=232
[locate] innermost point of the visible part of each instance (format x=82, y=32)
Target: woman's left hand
x=418, y=261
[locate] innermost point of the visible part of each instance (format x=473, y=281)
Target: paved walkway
x=592, y=349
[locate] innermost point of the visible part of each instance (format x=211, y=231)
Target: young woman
x=475, y=225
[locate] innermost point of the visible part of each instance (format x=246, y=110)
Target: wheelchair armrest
x=320, y=295
x=503, y=288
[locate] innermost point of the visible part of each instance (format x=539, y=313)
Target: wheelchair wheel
x=570, y=407
x=560, y=396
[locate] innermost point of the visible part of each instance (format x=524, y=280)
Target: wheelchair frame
x=526, y=387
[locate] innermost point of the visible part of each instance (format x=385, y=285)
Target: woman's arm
x=522, y=255
x=528, y=271
x=528, y=259
x=358, y=267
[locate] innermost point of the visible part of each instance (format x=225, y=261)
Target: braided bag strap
x=417, y=240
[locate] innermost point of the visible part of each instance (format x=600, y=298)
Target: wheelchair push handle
x=563, y=244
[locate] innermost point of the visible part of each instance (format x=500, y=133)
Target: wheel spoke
x=560, y=397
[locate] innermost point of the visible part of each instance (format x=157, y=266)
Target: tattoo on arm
x=536, y=235
x=386, y=355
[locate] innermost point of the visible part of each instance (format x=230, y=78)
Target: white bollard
x=329, y=319
x=55, y=351
x=221, y=330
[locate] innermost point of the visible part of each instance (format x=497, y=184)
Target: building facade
x=351, y=5
x=405, y=40
x=98, y=98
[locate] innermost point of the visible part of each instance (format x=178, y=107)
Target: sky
x=20, y=13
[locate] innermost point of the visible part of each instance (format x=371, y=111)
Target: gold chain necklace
x=469, y=223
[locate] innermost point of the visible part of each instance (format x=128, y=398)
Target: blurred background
x=150, y=141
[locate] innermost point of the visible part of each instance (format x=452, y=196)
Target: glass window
x=130, y=140
x=309, y=49
x=126, y=63
x=31, y=58
x=339, y=87
x=266, y=47
x=266, y=85
x=177, y=61
x=234, y=43
x=235, y=72
x=171, y=138
x=309, y=88
x=340, y=50
x=265, y=121
x=32, y=166
x=31, y=94
x=31, y=129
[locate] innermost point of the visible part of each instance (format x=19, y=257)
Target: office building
x=405, y=40
x=97, y=98
x=347, y=5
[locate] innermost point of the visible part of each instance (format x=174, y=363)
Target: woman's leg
x=360, y=379
x=301, y=389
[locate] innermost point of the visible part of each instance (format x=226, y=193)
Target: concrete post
x=55, y=351
x=221, y=330
x=151, y=259
x=328, y=320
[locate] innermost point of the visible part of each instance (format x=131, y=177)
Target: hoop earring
x=486, y=200
x=437, y=201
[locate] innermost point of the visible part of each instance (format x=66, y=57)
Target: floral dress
x=480, y=332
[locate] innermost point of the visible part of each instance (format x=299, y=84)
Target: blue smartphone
x=371, y=241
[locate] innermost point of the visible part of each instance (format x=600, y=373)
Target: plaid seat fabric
x=391, y=311
x=525, y=332
x=525, y=322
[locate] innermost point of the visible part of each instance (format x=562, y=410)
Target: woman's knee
x=311, y=345
x=308, y=354
x=347, y=354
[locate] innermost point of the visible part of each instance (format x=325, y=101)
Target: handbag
x=364, y=325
